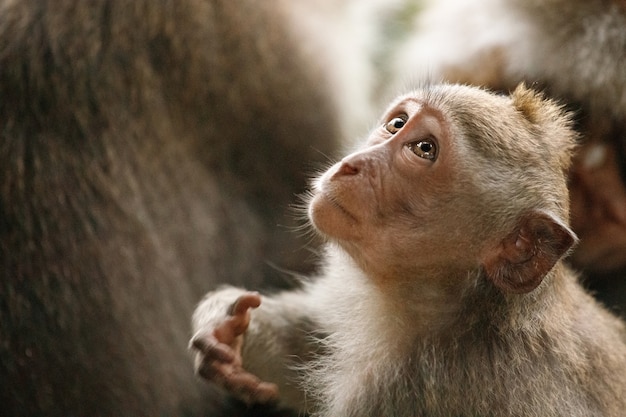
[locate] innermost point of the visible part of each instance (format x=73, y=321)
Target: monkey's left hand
x=218, y=354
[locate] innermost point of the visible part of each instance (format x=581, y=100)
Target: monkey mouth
x=335, y=203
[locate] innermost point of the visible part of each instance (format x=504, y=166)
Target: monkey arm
x=242, y=340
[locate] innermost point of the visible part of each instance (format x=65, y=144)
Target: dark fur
x=148, y=150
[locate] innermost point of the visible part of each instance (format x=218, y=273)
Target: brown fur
x=148, y=149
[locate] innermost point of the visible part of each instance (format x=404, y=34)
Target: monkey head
x=454, y=179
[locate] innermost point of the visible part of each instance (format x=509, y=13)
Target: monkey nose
x=345, y=169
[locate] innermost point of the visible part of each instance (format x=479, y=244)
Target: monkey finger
x=243, y=303
x=227, y=374
x=266, y=392
x=239, y=318
x=232, y=327
x=250, y=388
x=210, y=348
x=214, y=371
x=240, y=383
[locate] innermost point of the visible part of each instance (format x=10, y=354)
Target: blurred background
x=153, y=150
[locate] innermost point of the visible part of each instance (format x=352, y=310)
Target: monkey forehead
x=412, y=103
x=407, y=101
x=449, y=100
x=408, y=104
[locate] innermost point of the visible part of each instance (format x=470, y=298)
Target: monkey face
x=384, y=201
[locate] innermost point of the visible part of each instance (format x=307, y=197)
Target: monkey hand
x=219, y=354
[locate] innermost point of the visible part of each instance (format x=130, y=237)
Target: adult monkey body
x=574, y=50
x=146, y=149
x=443, y=291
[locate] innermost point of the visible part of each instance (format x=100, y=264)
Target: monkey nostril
x=347, y=169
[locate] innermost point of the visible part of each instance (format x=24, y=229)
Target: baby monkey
x=443, y=291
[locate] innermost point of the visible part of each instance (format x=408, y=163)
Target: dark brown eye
x=425, y=148
x=395, y=124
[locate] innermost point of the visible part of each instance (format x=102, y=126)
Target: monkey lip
x=341, y=208
x=335, y=202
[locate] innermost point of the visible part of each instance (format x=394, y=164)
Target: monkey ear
x=523, y=258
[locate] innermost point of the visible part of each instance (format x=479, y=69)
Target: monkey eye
x=425, y=148
x=395, y=124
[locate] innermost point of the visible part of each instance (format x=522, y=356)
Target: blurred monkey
x=148, y=150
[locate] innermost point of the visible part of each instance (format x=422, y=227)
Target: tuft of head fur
x=542, y=111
